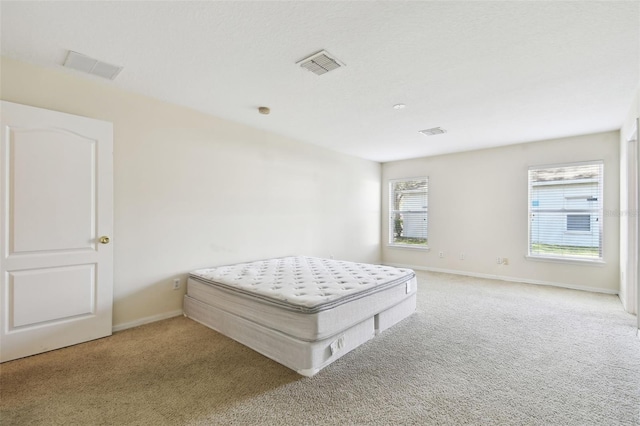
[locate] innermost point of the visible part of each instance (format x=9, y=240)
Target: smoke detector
x=83, y=63
x=433, y=131
x=320, y=63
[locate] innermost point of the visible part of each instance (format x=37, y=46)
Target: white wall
x=478, y=206
x=193, y=190
x=628, y=211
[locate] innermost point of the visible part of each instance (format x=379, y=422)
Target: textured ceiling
x=490, y=73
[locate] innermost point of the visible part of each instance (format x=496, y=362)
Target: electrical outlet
x=461, y=256
x=176, y=284
x=499, y=261
x=441, y=254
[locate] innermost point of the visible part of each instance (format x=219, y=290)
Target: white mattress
x=302, y=312
x=304, y=284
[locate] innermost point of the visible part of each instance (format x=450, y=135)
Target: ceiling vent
x=84, y=63
x=432, y=132
x=320, y=63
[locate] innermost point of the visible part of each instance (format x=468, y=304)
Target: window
x=408, y=212
x=565, y=211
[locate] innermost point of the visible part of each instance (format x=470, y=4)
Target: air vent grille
x=320, y=63
x=433, y=131
x=80, y=62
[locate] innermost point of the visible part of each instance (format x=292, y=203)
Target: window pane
x=408, y=212
x=565, y=211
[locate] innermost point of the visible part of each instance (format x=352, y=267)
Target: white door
x=56, y=205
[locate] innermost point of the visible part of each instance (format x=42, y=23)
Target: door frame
x=635, y=209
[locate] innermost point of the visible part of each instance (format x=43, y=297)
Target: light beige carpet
x=476, y=352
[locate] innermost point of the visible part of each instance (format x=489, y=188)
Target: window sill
x=596, y=262
x=410, y=247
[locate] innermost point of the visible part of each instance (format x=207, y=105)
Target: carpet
x=476, y=352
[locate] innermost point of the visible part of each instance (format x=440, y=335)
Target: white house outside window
x=565, y=211
x=408, y=212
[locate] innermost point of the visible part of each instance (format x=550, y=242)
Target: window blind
x=408, y=212
x=565, y=211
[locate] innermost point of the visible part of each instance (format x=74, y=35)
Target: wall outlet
x=499, y=260
x=461, y=256
x=177, y=284
x=441, y=254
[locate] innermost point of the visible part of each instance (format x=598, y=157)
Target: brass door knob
x=104, y=240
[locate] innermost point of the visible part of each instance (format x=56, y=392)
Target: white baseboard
x=146, y=320
x=505, y=278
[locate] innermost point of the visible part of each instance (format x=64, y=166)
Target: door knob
x=104, y=240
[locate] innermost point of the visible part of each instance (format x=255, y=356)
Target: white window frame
x=599, y=211
x=392, y=212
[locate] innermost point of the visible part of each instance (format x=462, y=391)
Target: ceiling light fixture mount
x=399, y=106
x=264, y=110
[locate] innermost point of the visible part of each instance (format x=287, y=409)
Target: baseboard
x=146, y=320
x=505, y=278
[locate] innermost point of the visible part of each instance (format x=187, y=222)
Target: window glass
x=408, y=212
x=565, y=211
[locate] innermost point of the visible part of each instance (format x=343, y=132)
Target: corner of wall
x=628, y=203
